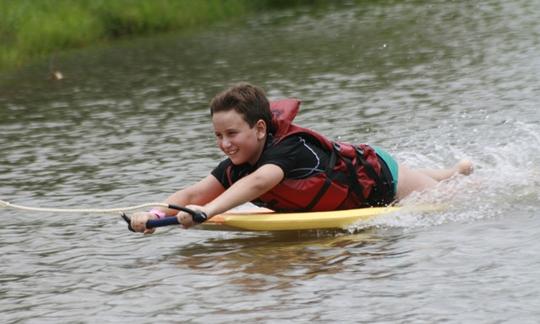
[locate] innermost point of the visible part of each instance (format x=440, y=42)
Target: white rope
x=6, y=204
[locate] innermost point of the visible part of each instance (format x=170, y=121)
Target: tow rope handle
x=197, y=216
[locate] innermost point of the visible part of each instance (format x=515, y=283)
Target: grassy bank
x=31, y=29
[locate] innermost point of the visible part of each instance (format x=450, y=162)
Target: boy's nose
x=225, y=142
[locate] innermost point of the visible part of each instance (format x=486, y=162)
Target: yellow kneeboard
x=266, y=220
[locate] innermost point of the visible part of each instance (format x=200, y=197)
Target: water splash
x=506, y=181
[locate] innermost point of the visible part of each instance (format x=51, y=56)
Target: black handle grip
x=198, y=217
x=152, y=223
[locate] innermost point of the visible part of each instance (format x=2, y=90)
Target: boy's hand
x=138, y=222
x=185, y=219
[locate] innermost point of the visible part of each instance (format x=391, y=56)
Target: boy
x=277, y=164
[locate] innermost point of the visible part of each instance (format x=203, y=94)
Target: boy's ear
x=261, y=129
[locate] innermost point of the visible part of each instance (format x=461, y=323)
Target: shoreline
x=36, y=29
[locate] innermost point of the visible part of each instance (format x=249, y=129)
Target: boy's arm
x=199, y=193
x=210, y=189
x=246, y=189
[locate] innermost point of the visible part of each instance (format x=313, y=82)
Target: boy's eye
x=230, y=133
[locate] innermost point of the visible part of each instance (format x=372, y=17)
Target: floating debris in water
x=56, y=75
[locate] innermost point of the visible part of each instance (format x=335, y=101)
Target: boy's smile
x=240, y=142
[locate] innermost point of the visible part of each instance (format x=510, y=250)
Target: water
x=432, y=83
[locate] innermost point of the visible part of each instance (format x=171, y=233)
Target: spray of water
x=506, y=181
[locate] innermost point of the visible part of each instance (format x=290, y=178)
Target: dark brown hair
x=246, y=99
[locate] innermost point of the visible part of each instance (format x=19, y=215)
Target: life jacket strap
x=330, y=177
x=388, y=194
x=382, y=192
x=352, y=177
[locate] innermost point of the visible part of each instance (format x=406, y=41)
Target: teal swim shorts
x=391, y=163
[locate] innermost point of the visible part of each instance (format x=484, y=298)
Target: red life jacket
x=352, y=178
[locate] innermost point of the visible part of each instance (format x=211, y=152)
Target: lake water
x=431, y=82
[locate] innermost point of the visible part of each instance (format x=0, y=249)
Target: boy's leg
x=462, y=167
x=410, y=180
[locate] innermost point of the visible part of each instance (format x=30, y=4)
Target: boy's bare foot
x=464, y=167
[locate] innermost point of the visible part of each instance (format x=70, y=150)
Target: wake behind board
x=267, y=220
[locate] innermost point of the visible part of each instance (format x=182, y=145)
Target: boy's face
x=236, y=139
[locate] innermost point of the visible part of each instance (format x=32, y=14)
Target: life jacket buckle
x=359, y=150
x=336, y=147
